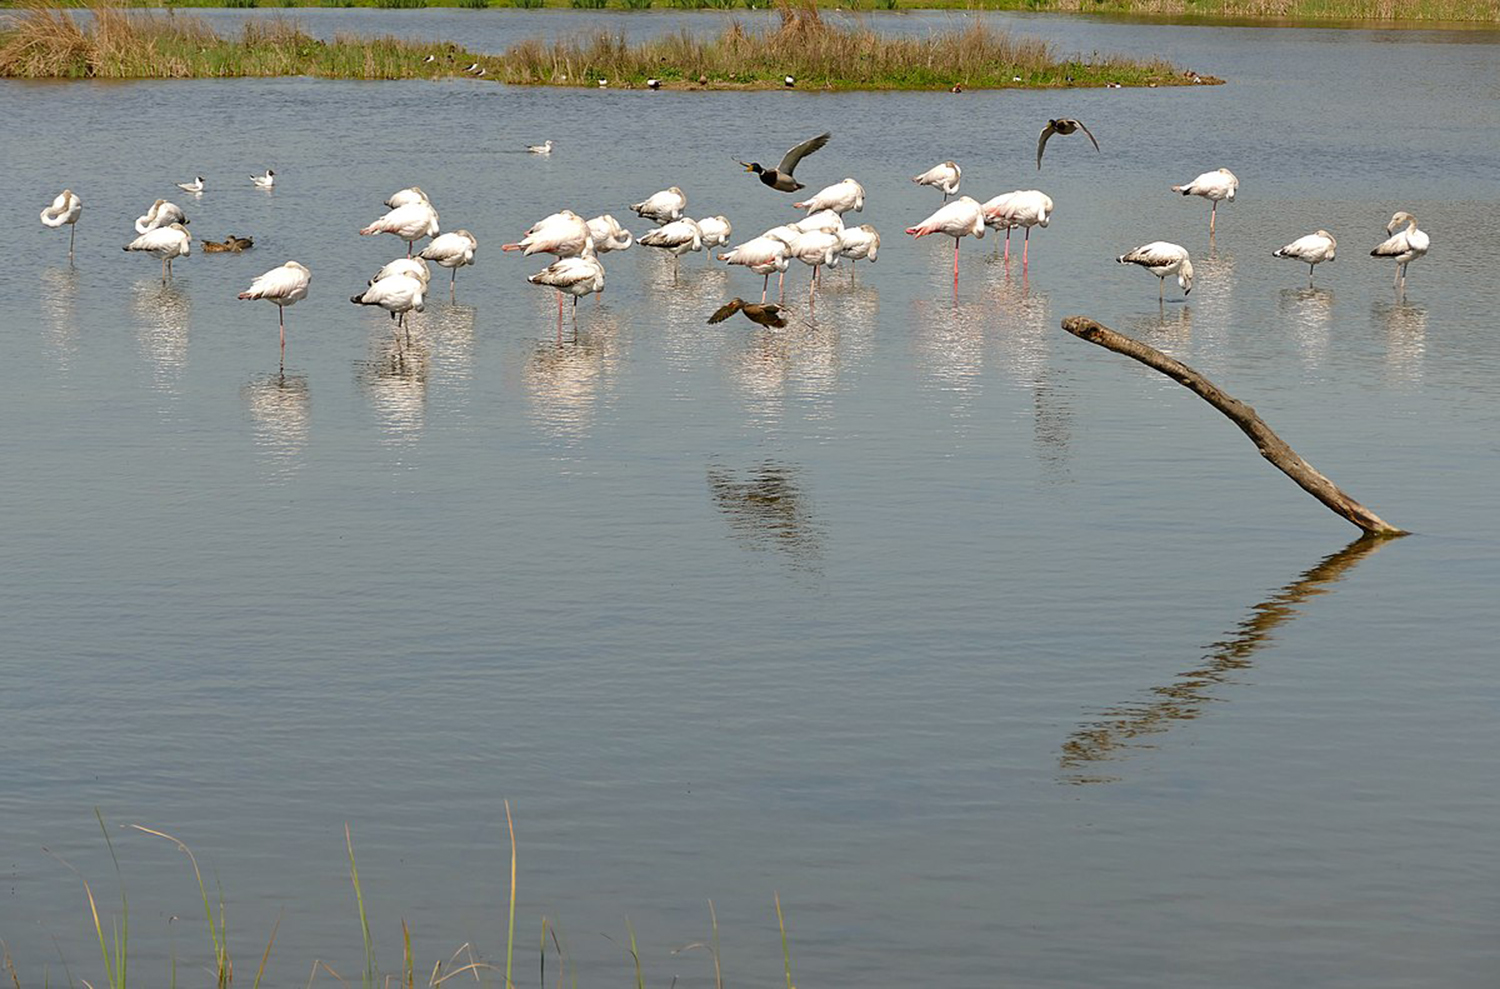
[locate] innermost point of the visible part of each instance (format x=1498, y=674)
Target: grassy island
x=43, y=43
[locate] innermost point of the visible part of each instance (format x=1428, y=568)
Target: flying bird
x=944, y=177
x=780, y=178
x=1405, y=246
x=64, y=211
x=229, y=245
x=1215, y=186
x=1063, y=126
x=285, y=286
x=764, y=313
x=1312, y=250
x=1163, y=259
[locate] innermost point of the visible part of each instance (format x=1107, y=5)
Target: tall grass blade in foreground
x=786, y=955
x=510, y=934
x=223, y=968
x=364, y=922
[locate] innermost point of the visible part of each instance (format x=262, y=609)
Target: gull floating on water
x=963, y=217
x=545, y=148
x=1312, y=250
x=285, y=286
x=410, y=222
x=1215, y=186
x=161, y=214
x=944, y=177
x=1163, y=259
x=452, y=251
x=164, y=243
x=64, y=211
x=195, y=186
x=266, y=181
x=1405, y=246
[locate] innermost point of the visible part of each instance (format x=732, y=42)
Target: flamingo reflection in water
x=1120, y=730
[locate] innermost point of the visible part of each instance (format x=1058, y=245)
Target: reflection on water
x=1169, y=329
x=680, y=314
x=767, y=511
x=1405, y=328
x=59, y=287
x=280, y=405
x=451, y=329
x=1213, y=288
x=1123, y=729
x=1309, y=310
x=802, y=357
x=949, y=343
x=394, y=379
x=1024, y=333
x=565, y=378
x=162, y=314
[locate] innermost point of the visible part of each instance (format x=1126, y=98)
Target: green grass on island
x=107, y=43
x=1394, y=13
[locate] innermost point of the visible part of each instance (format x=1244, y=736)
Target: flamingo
x=564, y=234
x=607, y=234
x=961, y=218
x=411, y=267
x=161, y=214
x=1023, y=208
x=165, y=243
x=678, y=237
x=716, y=231
x=1313, y=250
x=397, y=295
x=824, y=221
x=410, y=222
x=816, y=248
x=861, y=243
x=64, y=211
x=285, y=286
x=1163, y=259
x=762, y=255
x=944, y=177
x=577, y=276
x=1405, y=246
x=662, y=207
x=451, y=251
x=1215, y=186
x=841, y=197
x=405, y=197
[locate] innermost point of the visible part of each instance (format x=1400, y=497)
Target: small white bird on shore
x=1216, y=186
x=195, y=186
x=266, y=181
x=1163, y=259
x=164, y=243
x=944, y=177
x=451, y=251
x=545, y=148
x=64, y=211
x=285, y=286
x=1312, y=250
x=1404, y=246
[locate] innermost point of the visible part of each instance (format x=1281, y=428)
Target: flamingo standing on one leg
x=1215, y=186
x=762, y=255
x=1312, y=250
x=285, y=286
x=64, y=211
x=451, y=251
x=410, y=222
x=963, y=217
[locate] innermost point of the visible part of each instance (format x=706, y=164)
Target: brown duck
x=766, y=314
x=230, y=245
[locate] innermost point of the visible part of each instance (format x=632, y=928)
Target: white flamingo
x=565, y=234
x=451, y=251
x=678, y=237
x=824, y=221
x=285, y=286
x=762, y=255
x=64, y=211
x=607, y=234
x=716, y=231
x=405, y=197
x=1023, y=208
x=410, y=267
x=1404, y=246
x=1163, y=259
x=410, y=222
x=816, y=248
x=397, y=295
x=944, y=177
x=861, y=243
x=577, y=276
x=1312, y=250
x=961, y=218
x=161, y=214
x=266, y=181
x=164, y=243
x=662, y=207
x=841, y=197
x=1216, y=186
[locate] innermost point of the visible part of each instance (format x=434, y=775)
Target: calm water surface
x=1005, y=661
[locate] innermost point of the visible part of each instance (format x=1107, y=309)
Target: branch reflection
x=768, y=511
x=1123, y=729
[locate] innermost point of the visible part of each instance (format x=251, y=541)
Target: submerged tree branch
x=1271, y=446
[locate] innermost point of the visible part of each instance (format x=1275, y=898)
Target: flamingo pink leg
x=955, y=264
x=1025, y=247
x=764, y=287
x=1007, y=245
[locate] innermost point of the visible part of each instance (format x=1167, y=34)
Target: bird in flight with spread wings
x=1064, y=125
x=780, y=177
x=766, y=314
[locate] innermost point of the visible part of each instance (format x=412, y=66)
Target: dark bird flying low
x=1064, y=126
x=780, y=177
x=766, y=314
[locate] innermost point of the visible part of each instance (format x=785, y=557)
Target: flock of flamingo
x=821, y=239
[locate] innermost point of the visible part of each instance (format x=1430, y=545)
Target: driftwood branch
x=1271, y=446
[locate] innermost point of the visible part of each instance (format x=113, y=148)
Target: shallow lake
x=1003, y=660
